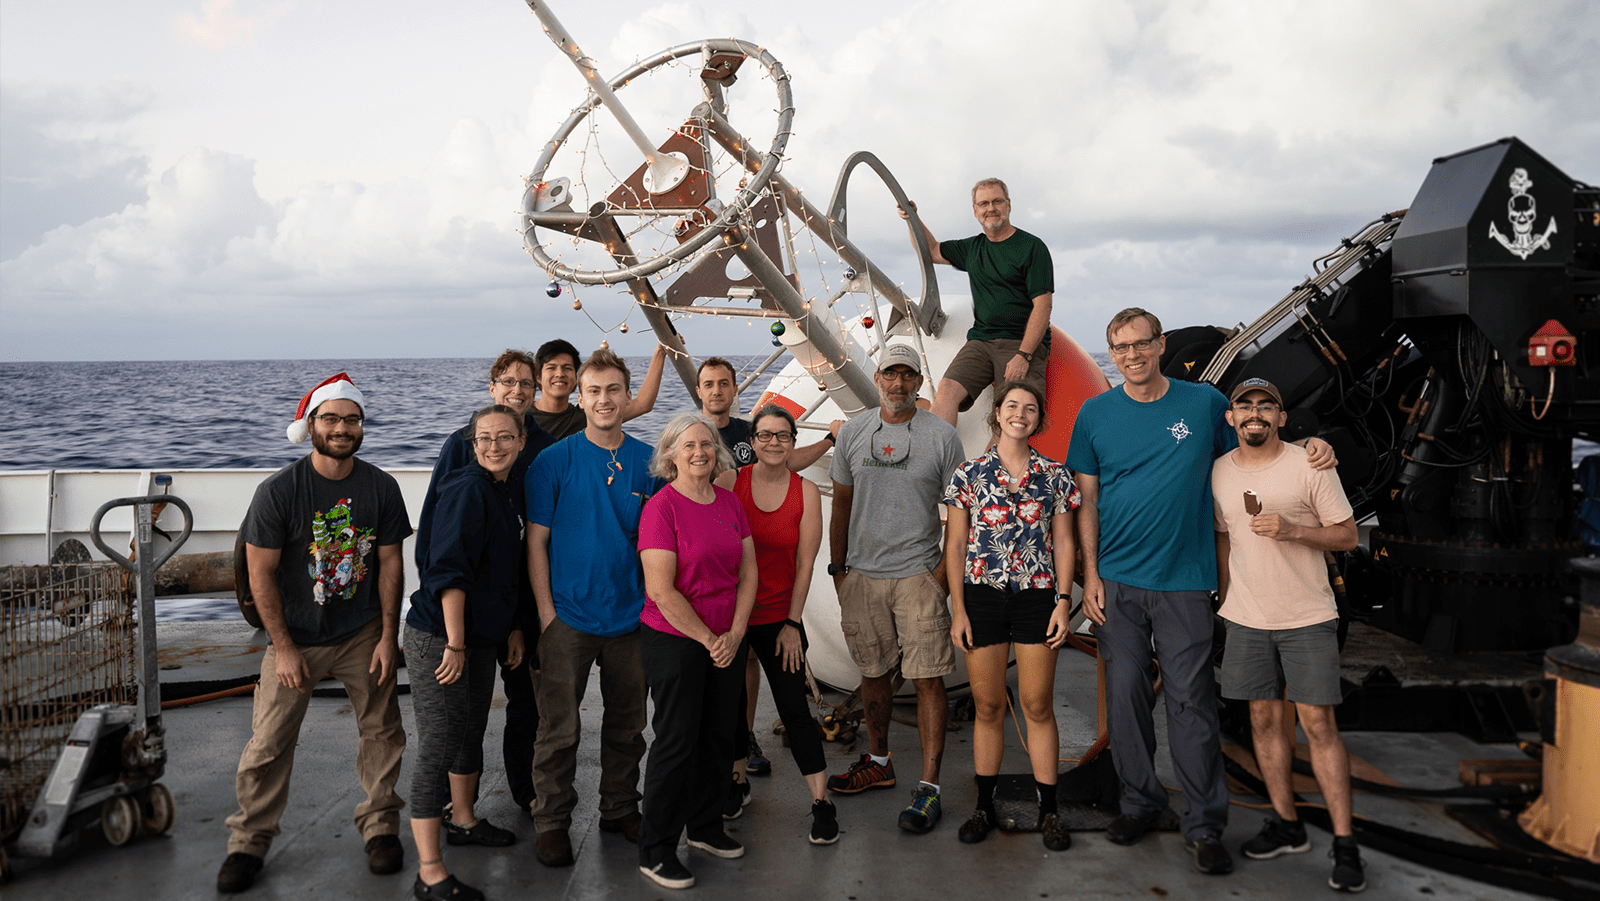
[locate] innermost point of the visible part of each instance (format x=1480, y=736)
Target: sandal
x=447, y=889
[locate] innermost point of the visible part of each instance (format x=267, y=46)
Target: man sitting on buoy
x=1013, y=283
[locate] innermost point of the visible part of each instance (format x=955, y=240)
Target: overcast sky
x=240, y=179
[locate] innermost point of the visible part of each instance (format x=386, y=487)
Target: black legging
x=789, y=694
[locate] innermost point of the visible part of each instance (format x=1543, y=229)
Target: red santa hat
x=338, y=387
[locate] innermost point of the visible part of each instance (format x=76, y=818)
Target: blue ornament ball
x=776, y=343
x=553, y=289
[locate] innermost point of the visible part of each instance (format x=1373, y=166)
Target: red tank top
x=776, y=535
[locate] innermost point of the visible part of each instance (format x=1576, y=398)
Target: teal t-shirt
x=595, y=576
x=1005, y=276
x=1153, y=461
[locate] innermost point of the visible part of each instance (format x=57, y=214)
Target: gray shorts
x=1260, y=664
x=980, y=364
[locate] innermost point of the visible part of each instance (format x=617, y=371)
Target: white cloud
x=219, y=25
x=1201, y=153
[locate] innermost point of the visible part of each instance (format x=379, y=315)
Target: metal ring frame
x=731, y=213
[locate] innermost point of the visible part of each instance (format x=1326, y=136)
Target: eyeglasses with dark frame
x=780, y=437
x=497, y=441
x=1120, y=350
x=332, y=419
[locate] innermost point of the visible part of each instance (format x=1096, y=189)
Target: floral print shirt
x=1008, y=540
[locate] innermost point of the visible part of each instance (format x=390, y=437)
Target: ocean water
x=232, y=413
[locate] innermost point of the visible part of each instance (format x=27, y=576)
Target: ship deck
x=320, y=854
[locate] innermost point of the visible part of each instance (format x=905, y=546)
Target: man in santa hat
x=322, y=543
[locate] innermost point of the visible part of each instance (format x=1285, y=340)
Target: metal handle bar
x=124, y=562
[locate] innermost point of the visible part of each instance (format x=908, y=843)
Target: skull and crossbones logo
x=1522, y=210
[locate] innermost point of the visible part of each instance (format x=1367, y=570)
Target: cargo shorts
x=889, y=620
x=982, y=363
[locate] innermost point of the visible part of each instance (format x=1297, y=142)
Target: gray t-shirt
x=898, y=473
x=329, y=533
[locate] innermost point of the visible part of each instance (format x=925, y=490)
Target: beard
x=895, y=406
x=319, y=441
x=1256, y=439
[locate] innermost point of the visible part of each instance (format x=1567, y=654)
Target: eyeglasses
x=509, y=382
x=332, y=419
x=1140, y=346
x=497, y=441
x=898, y=375
x=780, y=437
x=1266, y=407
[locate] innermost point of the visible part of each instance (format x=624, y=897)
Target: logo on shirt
x=1179, y=431
x=338, y=553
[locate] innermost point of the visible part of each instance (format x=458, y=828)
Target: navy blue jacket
x=478, y=547
x=456, y=454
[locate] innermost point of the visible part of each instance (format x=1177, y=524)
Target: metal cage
x=67, y=643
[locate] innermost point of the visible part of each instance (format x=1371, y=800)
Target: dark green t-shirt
x=1006, y=276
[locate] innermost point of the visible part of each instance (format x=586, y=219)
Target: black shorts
x=998, y=617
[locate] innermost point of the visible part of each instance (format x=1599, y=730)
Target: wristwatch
x=828, y=437
x=1064, y=597
x=838, y=569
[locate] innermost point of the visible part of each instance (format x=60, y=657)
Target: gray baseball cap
x=900, y=355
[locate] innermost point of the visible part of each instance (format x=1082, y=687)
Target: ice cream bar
x=1252, y=503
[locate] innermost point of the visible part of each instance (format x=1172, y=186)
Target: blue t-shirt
x=1153, y=461
x=595, y=576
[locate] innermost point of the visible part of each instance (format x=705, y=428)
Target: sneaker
x=824, y=823
x=719, y=844
x=385, y=854
x=669, y=873
x=922, y=814
x=482, y=833
x=238, y=872
x=738, y=797
x=1128, y=828
x=976, y=828
x=1056, y=836
x=1277, y=837
x=757, y=763
x=862, y=775
x=1347, y=874
x=1210, y=857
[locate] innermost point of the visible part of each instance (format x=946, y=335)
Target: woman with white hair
x=700, y=585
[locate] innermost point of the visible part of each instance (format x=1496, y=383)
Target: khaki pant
x=268, y=759
x=565, y=658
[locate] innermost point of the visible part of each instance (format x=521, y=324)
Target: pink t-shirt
x=709, y=542
x=1276, y=584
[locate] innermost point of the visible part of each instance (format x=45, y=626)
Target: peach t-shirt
x=1276, y=584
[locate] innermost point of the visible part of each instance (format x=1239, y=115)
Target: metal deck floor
x=320, y=853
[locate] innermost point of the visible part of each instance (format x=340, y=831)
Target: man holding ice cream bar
x=1281, y=617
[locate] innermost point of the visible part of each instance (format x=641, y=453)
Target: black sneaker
x=238, y=872
x=1127, y=828
x=738, y=797
x=482, y=833
x=670, y=873
x=824, y=823
x=719, y=844
x=1347, y=874
x=976, y=828
x=1056, y=836
x=757, y=763
x=1277, y=837
x=1210, y=857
